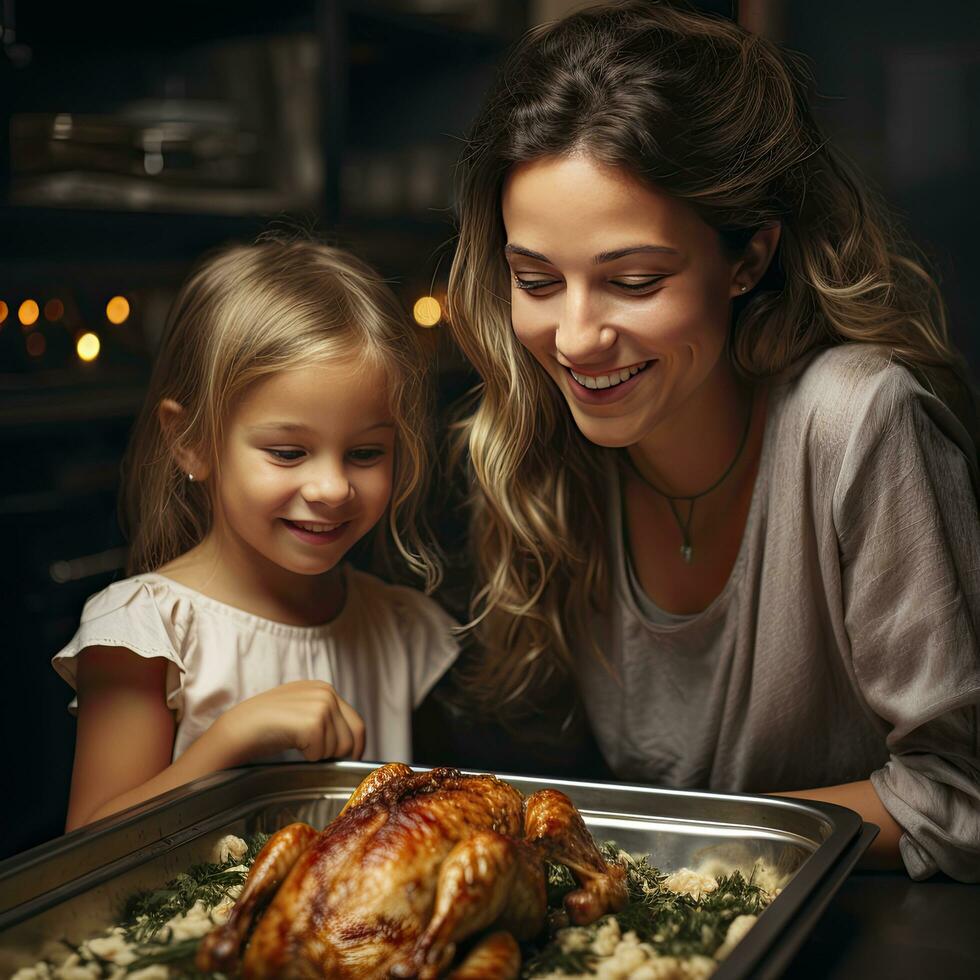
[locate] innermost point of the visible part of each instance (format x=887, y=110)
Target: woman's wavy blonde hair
x=718, y=118
x=245, y=313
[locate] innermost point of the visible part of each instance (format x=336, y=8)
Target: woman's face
x=620, y=292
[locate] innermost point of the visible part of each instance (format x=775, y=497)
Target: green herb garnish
x=673, y=924
x=147, y=912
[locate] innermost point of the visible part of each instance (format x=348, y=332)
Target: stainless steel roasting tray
x=75, y=886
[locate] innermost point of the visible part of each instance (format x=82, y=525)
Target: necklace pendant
x=687, y=553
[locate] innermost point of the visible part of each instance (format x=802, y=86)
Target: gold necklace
x=687, y=548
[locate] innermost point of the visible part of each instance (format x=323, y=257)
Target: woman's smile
x=601, y=389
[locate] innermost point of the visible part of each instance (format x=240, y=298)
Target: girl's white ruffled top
x=382, y=653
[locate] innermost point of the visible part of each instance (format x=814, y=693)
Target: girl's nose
x=329, y=486
x=582, y=336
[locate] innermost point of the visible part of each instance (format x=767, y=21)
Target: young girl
x=722, y=462
x=285, y=419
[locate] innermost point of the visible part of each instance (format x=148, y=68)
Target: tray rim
x=778, y=954
x=118, y=823
x=825, y=868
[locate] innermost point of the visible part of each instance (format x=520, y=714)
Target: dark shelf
x=424, y=224
x=46, y=235
x=63, y=398
x=109, y=27
x=52, y=233
x=371, y=21
x=58, y=26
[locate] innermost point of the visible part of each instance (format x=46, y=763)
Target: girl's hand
x=306, y=715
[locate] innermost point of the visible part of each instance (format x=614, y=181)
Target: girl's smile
x=316, y=534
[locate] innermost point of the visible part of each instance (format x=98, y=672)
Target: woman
x=723, y=468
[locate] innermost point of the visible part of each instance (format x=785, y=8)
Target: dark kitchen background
x=133, y=137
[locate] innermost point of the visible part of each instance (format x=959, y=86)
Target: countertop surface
x=883, y=924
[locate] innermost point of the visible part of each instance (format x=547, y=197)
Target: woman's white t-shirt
x=382, y=652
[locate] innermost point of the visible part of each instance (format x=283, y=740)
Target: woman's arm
x=907, y=541
x=883, y=854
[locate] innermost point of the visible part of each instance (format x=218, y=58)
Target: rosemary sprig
x=173, y=953
x=147, y=912
x=673, y=924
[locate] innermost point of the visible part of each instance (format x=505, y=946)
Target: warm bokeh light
x=87, y=346
x=117, y=310
x=28, y=313
x=3, y=311
x=54, y=310
x=36, y=344
x=427, y=311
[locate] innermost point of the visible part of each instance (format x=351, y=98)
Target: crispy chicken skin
x=415, y=865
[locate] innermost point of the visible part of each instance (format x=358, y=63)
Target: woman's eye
x=286, y=455
x=637, y=284
x=530, y=285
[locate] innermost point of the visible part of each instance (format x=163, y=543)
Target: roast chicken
x=423, y=874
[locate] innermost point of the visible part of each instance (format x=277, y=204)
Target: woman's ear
x=171, y=417
x=755, y=260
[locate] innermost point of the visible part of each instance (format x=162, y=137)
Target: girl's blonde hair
x=718, y=118
x=247, y=312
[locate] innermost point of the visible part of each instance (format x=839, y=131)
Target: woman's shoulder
x=843, y=378
x=857, y=402
x=845, y=398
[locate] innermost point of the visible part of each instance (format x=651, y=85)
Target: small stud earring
x=190, y=476
x=743, y=287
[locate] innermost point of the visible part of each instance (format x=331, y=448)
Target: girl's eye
x=637, y=284
x=366, y=455
x=286, y=455
x=531, y=285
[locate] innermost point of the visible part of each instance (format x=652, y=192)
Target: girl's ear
x=171, y=416
x=758, y=254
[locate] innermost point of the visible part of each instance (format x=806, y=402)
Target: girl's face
x=620, y=292
x=306, y=466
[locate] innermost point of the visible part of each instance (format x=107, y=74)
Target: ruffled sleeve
x=905, y=511
x=429, y=635
x=129, y=614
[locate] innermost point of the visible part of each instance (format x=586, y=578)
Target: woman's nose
x=329, y=485
x=582, y=335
